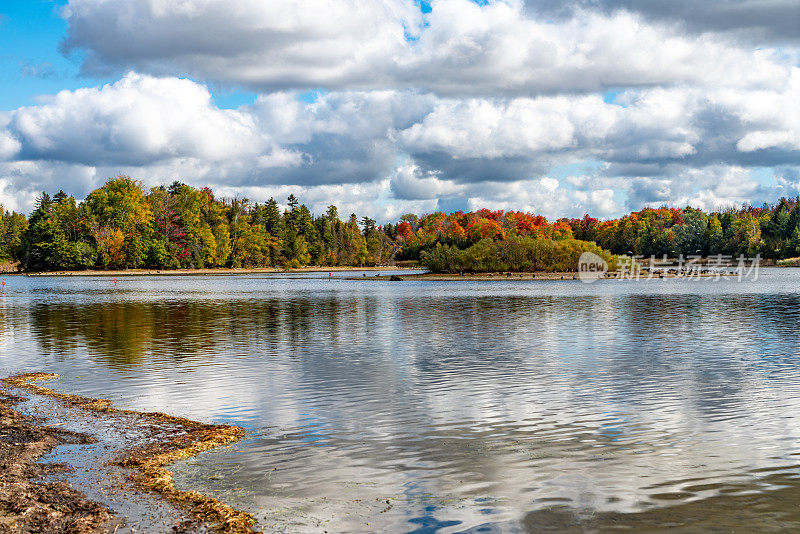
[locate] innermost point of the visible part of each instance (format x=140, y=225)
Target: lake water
x=449, y=406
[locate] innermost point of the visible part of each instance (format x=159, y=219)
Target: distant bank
x=212, y=272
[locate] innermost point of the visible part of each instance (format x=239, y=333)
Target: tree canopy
x=124, y=225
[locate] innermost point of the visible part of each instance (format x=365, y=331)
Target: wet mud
x=75, y=464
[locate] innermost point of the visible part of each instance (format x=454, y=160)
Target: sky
x=385, y=107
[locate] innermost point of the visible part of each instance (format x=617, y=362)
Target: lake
x=422, y=406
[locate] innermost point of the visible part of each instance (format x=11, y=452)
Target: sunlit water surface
x=448, y=406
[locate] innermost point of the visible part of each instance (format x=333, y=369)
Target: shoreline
x=29, y=504
x=487, y=277
x=211, y=272
x=395, y=271
x=533, y=276
x=163, y=440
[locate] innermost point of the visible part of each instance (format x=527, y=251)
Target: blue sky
x=31, y=64
x=406, y=105
x=29, y=35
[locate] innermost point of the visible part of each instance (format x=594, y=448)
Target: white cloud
x=281, y=42
x=486, y=129
x=496, y=48
x=656, y=129
x=774, y=20
x=499, y=151
x=599, y=203
x=460, y=48
x=710, y=188
x=774, y=116
x=137, y=120
x=545, y=196
x=411, y=183
x=22, y=181
x=474, y=102
x=9, y=147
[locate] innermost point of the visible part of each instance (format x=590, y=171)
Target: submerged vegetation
x=123, y=225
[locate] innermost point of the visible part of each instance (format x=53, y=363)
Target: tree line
x=124, y=225
x=773, y=231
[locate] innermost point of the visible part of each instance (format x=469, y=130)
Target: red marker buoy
x=115, y=281
x=4, y=282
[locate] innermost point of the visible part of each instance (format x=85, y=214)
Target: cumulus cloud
x=774, y=20
x=22, y=181
x=487, y=129
x=546, y=195
x=710, y=188
x=136, y=121
x=654, y=128
x=9, y=146
x=470, y=104
x=658, y=145
x=345, y=137
x=461, y=47
x=338, y=149
x=774, y=117
x=473, y=104
x=147, y=122
x=278, y=43
x=494, y=48
x=410, y=182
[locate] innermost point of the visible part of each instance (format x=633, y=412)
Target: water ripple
x=465, y=406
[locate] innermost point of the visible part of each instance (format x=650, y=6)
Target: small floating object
x=4, y=282
x=115, y=281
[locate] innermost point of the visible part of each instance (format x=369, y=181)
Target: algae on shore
x=34, y=506
x=185, y=438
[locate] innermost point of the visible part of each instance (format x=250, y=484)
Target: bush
x=518, y=254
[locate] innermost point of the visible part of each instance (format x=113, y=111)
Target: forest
x=125, y=225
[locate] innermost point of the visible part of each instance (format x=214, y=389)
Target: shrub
x=518, y=254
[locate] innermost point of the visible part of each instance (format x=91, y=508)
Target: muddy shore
x=123, y=463
x=28, y=504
